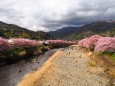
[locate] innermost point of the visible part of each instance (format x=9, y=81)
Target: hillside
x=63, y=32
x=14, y=31
x=104, y=28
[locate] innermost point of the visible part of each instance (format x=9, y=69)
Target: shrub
x=92, y=41
x=84, y=42
x=4, y=45
x=106, y=44
x=20, y=42
x=59, y=43
x=89, y=42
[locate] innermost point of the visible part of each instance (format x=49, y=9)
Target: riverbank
x=29, y=79
x=12, y=74
x=17, y=54
x=70, y=68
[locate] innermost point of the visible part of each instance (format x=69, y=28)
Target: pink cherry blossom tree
x=89, y=42
x=20, y=42
x=4, y=45
x=106, y=44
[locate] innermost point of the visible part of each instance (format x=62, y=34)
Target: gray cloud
x=49, y=15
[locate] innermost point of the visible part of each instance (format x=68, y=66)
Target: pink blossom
x=92, y=41
x=20, y=42
x=4, y=44
x=89, y=42
x=106, y=44
x=60, y=42
x=84, y=42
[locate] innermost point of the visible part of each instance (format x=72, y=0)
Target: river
x=10, y=75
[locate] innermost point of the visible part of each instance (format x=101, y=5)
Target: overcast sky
x=50, y=15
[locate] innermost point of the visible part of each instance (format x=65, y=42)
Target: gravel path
x=73, y=68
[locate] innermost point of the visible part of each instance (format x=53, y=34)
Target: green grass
x=110, y=55
x=15, y=54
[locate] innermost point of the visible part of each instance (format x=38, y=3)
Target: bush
x=83, y=42
x=20, y=42
x=98, y=43
x=59, y=43
x=16, y=53
x=89, y=42
x=106, y=44
x=4, y=45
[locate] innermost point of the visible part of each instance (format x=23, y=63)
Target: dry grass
x=30, y=79
x=91, y=63
x=72, y=68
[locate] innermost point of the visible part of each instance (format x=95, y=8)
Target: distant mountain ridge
x=63, y=32
x=14, y=31
x=104, y=28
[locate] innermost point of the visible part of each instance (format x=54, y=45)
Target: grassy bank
x=104, y=59
x=110, y=55
x=18, y=53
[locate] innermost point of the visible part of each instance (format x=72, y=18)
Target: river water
x=10, y=75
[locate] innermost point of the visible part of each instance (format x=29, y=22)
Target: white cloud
x=40, y=28
x=52, y=14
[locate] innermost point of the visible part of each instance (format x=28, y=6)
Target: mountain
x=14, y=31
x=58, y=34
x=104, y=28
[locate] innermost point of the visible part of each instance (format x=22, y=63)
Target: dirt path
x=73, y=68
